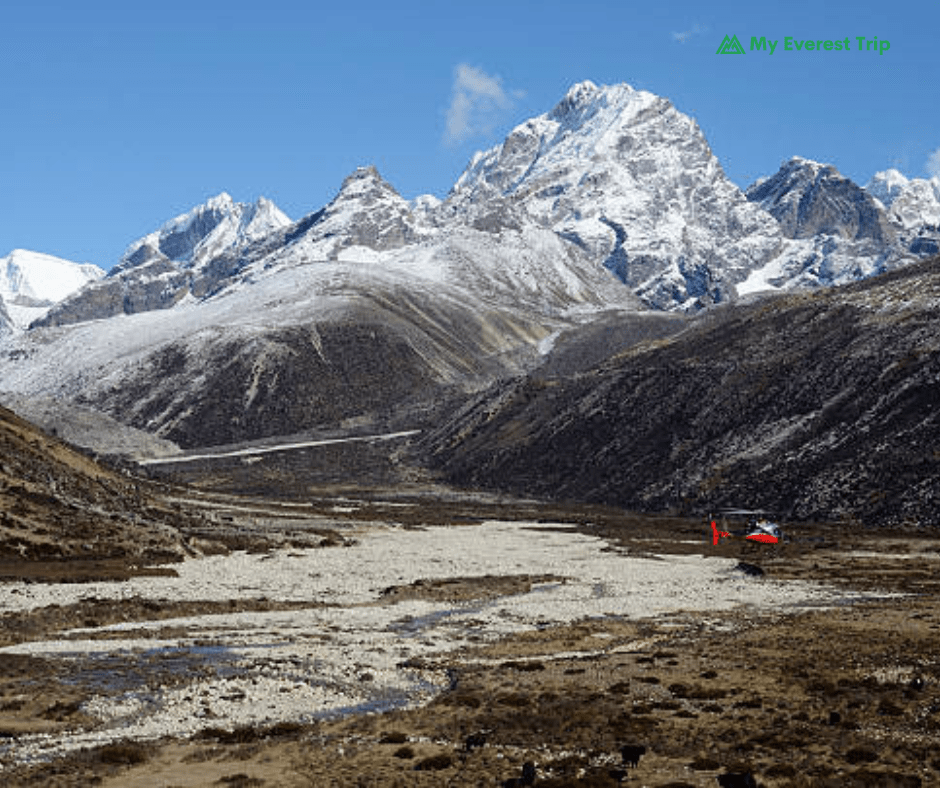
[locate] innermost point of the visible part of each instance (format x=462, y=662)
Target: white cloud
x=477, y=101
x=933, y=164
x=685, y=35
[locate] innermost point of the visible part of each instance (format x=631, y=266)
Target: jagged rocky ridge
x=619, y=176
x=913, y=207
x=817, y=405
x=631, y=180
x=232, y=323
x=838, y=232
x=810, y=199
x=190, y=255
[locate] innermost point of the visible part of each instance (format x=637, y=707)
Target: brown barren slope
x=57, y=503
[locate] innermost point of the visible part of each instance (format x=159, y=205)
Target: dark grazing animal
x=528, y=773
x=631, y=754
x=528, y=777
x=475, y=740
x=733, y=780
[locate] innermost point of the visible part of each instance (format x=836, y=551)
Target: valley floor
x=360, y=639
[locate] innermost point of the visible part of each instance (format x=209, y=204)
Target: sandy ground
x=370, y=661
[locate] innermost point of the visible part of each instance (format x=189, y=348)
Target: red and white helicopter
x=761, y=529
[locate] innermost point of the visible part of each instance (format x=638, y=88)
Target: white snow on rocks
x=217, y=226
x=911, y=203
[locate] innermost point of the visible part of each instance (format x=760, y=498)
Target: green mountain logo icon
x=730, y=46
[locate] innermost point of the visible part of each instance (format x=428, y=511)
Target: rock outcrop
x=810, y=199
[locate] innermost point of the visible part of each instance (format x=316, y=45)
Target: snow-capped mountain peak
x=260, y=219
x=911, y=202
x=361, y=181
x=586, y=123
x=190, y=255
x=425, y=204
x=31, y=282
x=213, y=209
x=578, y=98
x=886, y=185
x=42, y=277
x=801, y=162
x=367, y=213
x=809, y=198
x=217, y=226
x=632, y=181
x=221, y=202
x=363, y=189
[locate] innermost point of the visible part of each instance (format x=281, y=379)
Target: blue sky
x=115, y=116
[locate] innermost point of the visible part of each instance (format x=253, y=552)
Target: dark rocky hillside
x=364, y=366
x=820, y=405
x=278, y=384
x=579, y=349
x=57, y=503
